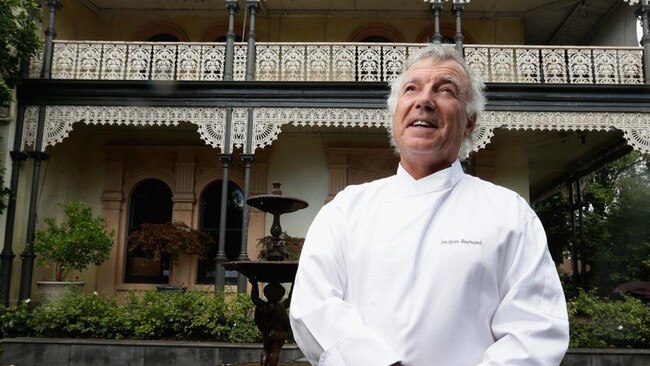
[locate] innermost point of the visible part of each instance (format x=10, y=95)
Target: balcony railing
x=361, y=62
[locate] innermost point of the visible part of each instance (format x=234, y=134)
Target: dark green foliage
x=194, y=315
x=615, y=245
x=239, y=313
x=14, y=321
x=18, y=40
x=598, y=323
x=80, y=315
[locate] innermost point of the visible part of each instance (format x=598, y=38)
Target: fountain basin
x=265, y=271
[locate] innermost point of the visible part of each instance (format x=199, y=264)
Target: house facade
x=146, y=109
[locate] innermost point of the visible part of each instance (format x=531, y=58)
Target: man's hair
x=474, y=103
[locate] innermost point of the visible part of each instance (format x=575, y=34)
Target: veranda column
x=17, y=158
x=225, y=156
x=436, y=9
x=38, y=155
x=457, y=10
x=7, y=256
x=248, y=156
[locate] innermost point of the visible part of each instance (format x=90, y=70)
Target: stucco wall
x=299, y=163
x=74, y=171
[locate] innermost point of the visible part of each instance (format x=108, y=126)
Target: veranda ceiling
x=568, y=22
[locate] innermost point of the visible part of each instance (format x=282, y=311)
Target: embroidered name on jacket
x=460, y=242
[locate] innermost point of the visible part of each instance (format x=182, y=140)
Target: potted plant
x=81, y=240
x=278, y=249
x=172, y=239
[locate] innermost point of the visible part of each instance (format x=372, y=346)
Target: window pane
x=151, y=202
x=209, y=222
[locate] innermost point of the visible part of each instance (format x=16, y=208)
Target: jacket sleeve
x=530, y=325
x=330, y=331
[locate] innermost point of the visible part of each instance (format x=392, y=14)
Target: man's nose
x=425, y=102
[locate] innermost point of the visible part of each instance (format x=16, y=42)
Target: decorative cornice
x=269, y=121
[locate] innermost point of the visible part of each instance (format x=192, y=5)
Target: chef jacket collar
x=440, y=180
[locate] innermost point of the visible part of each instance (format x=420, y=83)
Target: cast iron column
x=243, y=252
x=248, y=156
x=50, y=34
x=457, y=9
x=38, y=155
x=220, y=277
x=7, y=256
x=225, y=156
x=233, y=8
x=436, y=9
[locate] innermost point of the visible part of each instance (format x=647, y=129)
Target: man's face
x=430, y=119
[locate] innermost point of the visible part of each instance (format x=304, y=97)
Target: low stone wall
x=607, y=357
x=86, y=352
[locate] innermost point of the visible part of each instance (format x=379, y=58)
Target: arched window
x=376, y=33
x=217, y=33
x=209, y=222
x=151, y=202
x=225, y=39
x=376, y=39
x=163, y=37
x=161, y=32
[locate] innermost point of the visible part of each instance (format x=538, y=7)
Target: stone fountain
x=271, y=315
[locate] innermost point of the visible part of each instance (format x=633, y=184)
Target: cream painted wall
x=74, y=171
x=298, y=161
x=511, y=165
x=74, y=21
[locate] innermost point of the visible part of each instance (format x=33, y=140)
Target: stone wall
x=83, y=352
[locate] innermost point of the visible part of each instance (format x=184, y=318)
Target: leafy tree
x=613, y=244
x=18, y=40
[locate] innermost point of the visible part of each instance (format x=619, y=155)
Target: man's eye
x=409, y=88
x=447, y=90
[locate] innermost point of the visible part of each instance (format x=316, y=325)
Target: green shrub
x=176, y=315
x=192, y=315
x=79, y=315
x=14, y=321
x=239, y=313
x=602, y=323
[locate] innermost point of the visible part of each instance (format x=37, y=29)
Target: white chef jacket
x=448, y=270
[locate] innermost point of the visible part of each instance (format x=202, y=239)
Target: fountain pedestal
x=271, y=315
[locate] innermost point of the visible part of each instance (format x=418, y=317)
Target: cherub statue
x=272, y=319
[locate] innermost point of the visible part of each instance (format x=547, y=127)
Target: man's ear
x=471, y=123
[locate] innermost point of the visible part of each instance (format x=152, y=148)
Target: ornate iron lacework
x=268, y=122
x=335, y=62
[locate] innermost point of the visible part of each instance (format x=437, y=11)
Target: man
x=430, y=266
